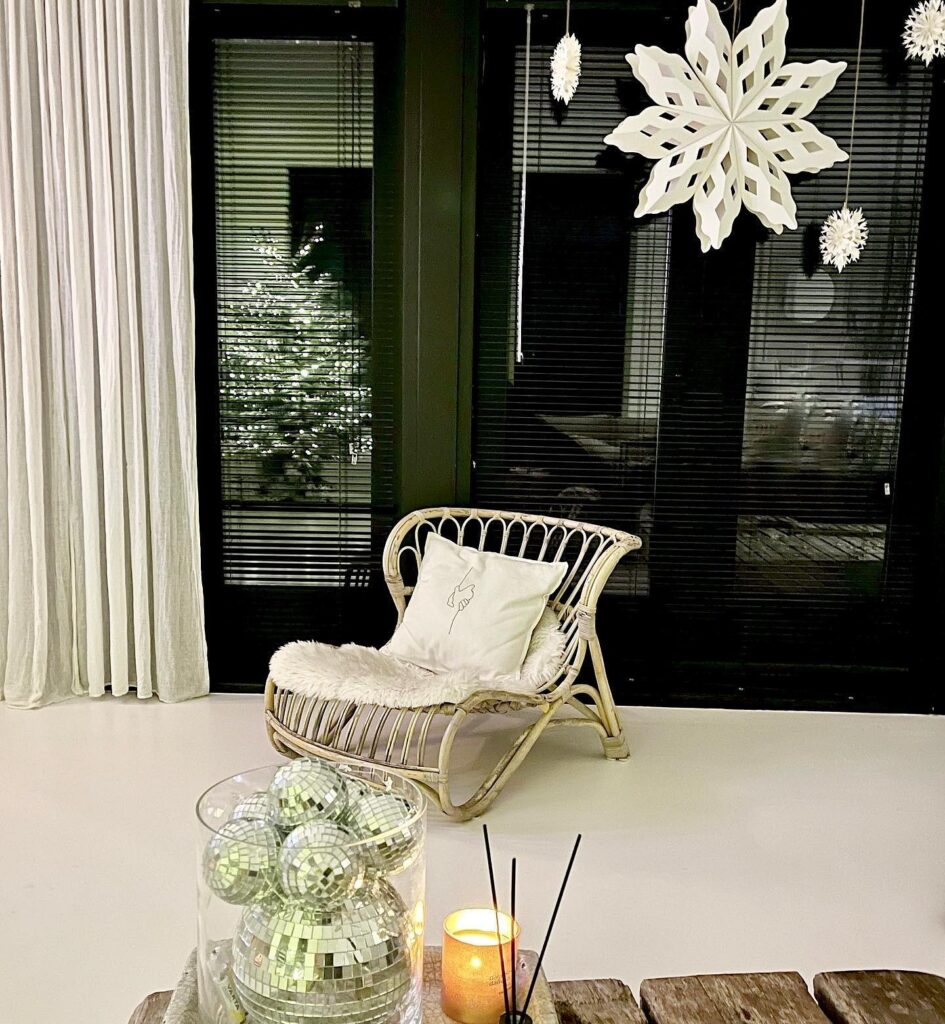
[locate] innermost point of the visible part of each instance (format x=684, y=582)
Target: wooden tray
x=182, y=1008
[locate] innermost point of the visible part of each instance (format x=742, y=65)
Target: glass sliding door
x=741, y=410
x=824, y=397
x=567, y=409
x=303, y=355
x=293, y=133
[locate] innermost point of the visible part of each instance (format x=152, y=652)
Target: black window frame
x=657, y=677
x=441, y=104
x=235, y=664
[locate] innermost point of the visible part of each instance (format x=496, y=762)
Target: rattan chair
x=402, y=739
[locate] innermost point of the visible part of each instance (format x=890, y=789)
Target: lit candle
x=471, y=990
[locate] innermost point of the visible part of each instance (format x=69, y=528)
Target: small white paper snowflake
x=729, y=122
x=925, y=31
x=565, y=68
x=843, y=237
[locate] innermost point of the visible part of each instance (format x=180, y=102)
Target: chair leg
x=270, y=707
x=492, y=786
x=614, y=743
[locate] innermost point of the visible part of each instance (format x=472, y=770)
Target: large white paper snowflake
x=843, y=237
x=565, y=68
x=728, y=125
x=925, y=31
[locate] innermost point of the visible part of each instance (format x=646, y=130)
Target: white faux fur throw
x=367, y=675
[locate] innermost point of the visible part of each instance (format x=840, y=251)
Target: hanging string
x=567, y=17
x=735, y=6
x=856, y=96
x=519, y=352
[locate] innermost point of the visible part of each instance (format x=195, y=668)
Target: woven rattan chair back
x=404, y=740
x=590, y=552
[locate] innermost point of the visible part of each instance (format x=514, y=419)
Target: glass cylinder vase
x=310, y=896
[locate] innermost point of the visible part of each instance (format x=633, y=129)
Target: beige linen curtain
x=99, y=555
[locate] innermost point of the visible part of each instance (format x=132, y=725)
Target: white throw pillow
x=473, y=611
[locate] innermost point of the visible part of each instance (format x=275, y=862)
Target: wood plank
x=667, y=1000
x=606, y=1001
x=881, y=997
x=772, y=998
x=151, y=1009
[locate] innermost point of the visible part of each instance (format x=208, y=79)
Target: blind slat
x=757, y=455
x=299, y=402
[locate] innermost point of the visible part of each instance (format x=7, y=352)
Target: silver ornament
x=252, y=808
x=319, y=865
x=241, y=861
x=304, y=791
x=357, y=788
x=391, y=824
x=351, y=965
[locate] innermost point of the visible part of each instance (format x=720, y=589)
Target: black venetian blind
x=304, y=377
x=824, y=396
x=740, y=411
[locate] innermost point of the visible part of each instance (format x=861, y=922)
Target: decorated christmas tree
x=294, y=376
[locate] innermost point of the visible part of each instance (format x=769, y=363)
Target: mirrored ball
x=319, y=865
x=391, y=823
x=254, y=807
x=293, y=963
x=241, y=861
x=306, y=790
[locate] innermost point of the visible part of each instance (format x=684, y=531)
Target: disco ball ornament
x=319, y=865
x=241, y=861
x=304, y=791
x=390, y=822
x=357, y=789
x=293, y=963
x=253, y=808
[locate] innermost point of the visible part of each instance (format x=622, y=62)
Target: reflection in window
x=293, y=130
x=571, y=429
x=740, y=410
x=827, y=361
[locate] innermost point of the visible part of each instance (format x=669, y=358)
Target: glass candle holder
x=474, y=953
x=310, y=897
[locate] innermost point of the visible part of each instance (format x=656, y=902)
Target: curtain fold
x=99, y=552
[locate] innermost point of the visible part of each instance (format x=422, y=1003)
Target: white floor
x=732, y=841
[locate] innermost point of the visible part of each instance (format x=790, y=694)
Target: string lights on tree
x=295, y=391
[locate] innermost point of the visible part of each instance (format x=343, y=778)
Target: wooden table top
x=771, y=998
x=881, y=997
x=844, y=997
x=577, y=1002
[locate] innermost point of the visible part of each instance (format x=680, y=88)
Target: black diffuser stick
x=551, y=924
x=495, y=907
x=514, y=953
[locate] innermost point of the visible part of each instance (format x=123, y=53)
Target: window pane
x=740, y=410
x=826, y=369
x=567, y=421
x=293, y=137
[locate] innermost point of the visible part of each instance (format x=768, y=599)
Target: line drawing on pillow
x=460, y=596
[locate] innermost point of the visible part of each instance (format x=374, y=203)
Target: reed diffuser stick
x=495, y=907
x=551, y=924
x=514, y=953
